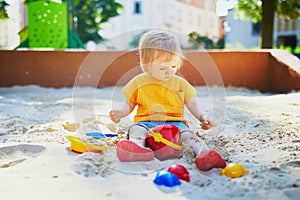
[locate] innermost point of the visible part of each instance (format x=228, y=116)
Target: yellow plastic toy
x=234, y=170
x=79, y=146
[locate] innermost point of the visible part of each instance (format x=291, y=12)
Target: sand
x=261, y=131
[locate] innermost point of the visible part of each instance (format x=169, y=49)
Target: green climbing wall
x=47, y=24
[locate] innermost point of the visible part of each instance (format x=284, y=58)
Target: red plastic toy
x=180, y=171
x=165, y=141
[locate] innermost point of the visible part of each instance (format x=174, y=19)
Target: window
x=199, y=3
x=137, y=9
x=190, y=18
x=199, y=20
x=212, y=23
x=255, y=29
x=179, y=18
x=211, y=6
x=294, y=25
x=286, y=24
x=279, y=24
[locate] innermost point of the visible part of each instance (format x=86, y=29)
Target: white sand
x=259, y=130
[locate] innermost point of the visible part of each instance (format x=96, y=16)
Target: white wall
x=166, y=14
x=240, y=34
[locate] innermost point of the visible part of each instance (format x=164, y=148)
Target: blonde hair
x=161, y=46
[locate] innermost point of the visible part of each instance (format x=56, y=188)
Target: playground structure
x=49, y=26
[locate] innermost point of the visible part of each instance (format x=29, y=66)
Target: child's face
x=162, y=71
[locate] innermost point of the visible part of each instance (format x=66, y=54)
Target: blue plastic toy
x=166, y=178
x=98, y=135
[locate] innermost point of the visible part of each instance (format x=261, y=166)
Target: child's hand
x=115, y=116
x=121, y=111
x=206, y=124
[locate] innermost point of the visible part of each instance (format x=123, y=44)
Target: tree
x=263, y=11
x=90, y=14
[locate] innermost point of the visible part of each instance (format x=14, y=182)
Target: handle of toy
x=159, y=138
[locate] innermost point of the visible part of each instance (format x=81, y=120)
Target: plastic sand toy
x=165, y=141
x=79, y=146
x=180, y=171
x=166, y=179
x=98, y=135
x=234, y=170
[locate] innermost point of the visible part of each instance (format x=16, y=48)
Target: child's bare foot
x=210, y=159
x=128, y=151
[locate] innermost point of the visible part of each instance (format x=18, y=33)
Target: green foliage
x=198, y=41
x=297, y=50
x=263, y=11
x=3, y=13
x=289, y=49
x=289, y=9
x=252, y=9
x=90, y=14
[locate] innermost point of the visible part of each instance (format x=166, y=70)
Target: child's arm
x=122, y=111
x=195, y=109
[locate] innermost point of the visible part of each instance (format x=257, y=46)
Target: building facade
x=181, y=16
x=244, y=34
x=287, y=32
x=240, y=34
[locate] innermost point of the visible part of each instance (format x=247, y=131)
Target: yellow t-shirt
x=158, y=100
